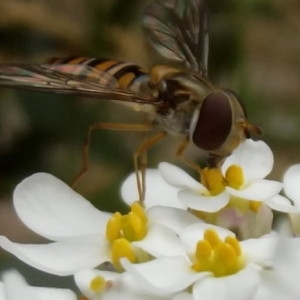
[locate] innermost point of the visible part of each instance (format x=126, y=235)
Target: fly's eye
x=214, y=122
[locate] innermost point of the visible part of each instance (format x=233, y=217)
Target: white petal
x=161, y=241
x=282, y=204
x=258, y=190
x=183, y=296
x=2, y=292
x=43, y=293
x=128, y=295
x=241, y=286
x=196, y=201
x=16, y=288
x=52, y=209
x=158, y=192
x=63, y=257
x=192, y=234
x=129, y=285
x=287, y=266
x=164, y=275
x=260, y=251
x=174, y=218
x=177, y=177
x=291, y=183
x=255, y=158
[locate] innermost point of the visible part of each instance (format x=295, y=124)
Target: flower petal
x=174, y=218
x=287, y=266
x=254, y=157
x=282, y=204
x=63, y=257
x=291, y=181
x=183, y=296
x=177, y=177
x=198, y=202
x=258, y=190
x=242, y=286
x=164, y=275
x=161, y=241
x=52, y=209
x=260, y=251
x=158, y=192
x=16, y=288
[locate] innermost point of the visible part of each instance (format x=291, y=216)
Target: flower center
x=234, y=176
x=222, y=258
x=132, y=226
x=121, y=230
x=213, y=180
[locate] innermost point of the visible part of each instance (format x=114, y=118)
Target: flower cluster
x=208, y=239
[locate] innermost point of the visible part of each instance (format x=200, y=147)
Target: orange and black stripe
x=124, y=73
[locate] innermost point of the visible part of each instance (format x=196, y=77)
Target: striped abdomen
x=127, y=75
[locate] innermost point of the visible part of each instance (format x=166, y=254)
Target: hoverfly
x=177, y=101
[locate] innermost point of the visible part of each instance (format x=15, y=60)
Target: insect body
x=179, y=102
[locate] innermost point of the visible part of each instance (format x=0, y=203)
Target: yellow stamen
x=219, y=257
x=212, y=237
x=255, y=205
x=234, y=176
x=121, y=230
x=202, y=254
x=139, y=211
x=225, y=260
x=132, y=226
x=213, y=180
x=122, y=248
x=234, y=243
x=114, y=227
x=98, y=284
x=134, y=229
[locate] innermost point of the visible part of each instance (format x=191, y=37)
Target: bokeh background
x=254, y=50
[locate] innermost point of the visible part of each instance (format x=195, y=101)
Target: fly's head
x=219, y=125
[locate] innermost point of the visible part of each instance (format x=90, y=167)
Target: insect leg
x=105, y=126
x=181, y=148
x=140, y=158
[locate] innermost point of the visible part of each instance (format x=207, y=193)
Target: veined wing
x=178, y=29
x=67, y=78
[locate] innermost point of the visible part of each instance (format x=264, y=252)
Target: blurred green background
x=254, y=50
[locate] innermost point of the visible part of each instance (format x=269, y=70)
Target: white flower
x=291, y=187
x=249, y=164
x=218, y=266
x=241, y=178
x=14, y=287
x=235, y=196
x=83, y=236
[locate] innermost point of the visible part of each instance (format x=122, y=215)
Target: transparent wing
x=68, y=79
x=178, y=29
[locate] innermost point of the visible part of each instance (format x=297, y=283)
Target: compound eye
x=214, y=122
